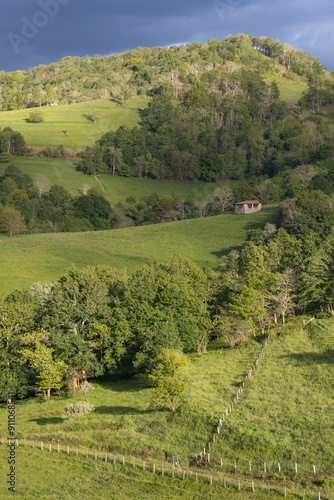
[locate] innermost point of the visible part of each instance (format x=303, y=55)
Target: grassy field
x=41, y=257
x=70, y=125
x=116, y=189
x=52, y=476
x=286, y=413
x=290, y=90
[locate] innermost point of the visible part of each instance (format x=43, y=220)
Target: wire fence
x=216, y=476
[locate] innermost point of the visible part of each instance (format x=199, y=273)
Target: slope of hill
x=116, y=189
x=71, y=125
x=41, y=257
x=283, y=417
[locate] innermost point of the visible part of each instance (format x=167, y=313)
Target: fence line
x=235, y=399
x=167, y=468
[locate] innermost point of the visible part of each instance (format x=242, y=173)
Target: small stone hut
x=248, y=207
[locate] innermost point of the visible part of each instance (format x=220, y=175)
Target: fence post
x=134, y=463
x=210, y=479
x=238, y=484
x=285, y=491
x=252, y=486
x=196, y=477
x=162, y=468
x=268, y=489
x=17, y=442
x=123, y=461
x=173, y=473
x=221, y=462
x=76, y=451
x=224, y=482
x=68, y=450
x=265, y=467
x=41, y=445
x=50, y=447
x=250, y=467
x=114, y=459
x=143, y=465
x=296, y=468
x=279, y=467
x=184, y=475
x=314, y=469
x=95, y=455
x=153, y=468
x=58, y=448
x=106, y=457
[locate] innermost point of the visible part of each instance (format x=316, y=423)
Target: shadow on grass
x=47, y=420
x=326, y=357
x=121, y=410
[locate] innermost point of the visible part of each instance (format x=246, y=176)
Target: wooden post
x=153, y=468
x=95, y=455
x=184, y=475
x=162, y=468
x=173, y=472
x=224, y=482
x=296, y=468
x=76, y=451
x=221, y=462
x=204, y=452
x=319, y=496
x=17, y=442
x=196, y=477
x=285, y=491
x=68, y=450
x=252, y=486
x=86, y=453
x=58, y=448
x=250, y=467
x=41, y=445
x=235, y=465
x=50, y=447
x=123, y=461
x=303, y=494
x=143, y=465
x=114, y=459
x=279, y=467
x=210, y=479
x=238, y=484
x=314, y=469
x=133, y=463
x=268, y=489
x=106, y=457
x=208, y=457
x=265, y=467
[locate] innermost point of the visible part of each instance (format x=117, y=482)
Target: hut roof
x=249, y=202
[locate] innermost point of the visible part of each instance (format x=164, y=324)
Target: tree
x=42, y=183
x=77, y=409
x=49, y=373
x=35, y=117
x=282, y=293
x=165, y=373
x=86, y=387
x=222, y=198
x=11, y=221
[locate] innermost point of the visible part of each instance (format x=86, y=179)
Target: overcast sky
x=36, y=32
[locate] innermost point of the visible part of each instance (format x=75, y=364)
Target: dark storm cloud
x=43, y=31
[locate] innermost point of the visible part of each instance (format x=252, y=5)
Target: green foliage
x=35, y=117
x=77, y=409
x=165, y=372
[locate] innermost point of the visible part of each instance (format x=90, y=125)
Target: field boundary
x=224, y=479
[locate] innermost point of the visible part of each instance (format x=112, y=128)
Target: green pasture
x=45, y=475
x=70, y=125
x=116, y=189
x=291, y=90
x=26, y=259
x=286, y=412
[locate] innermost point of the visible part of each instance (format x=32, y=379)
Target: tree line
x=98, y=320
